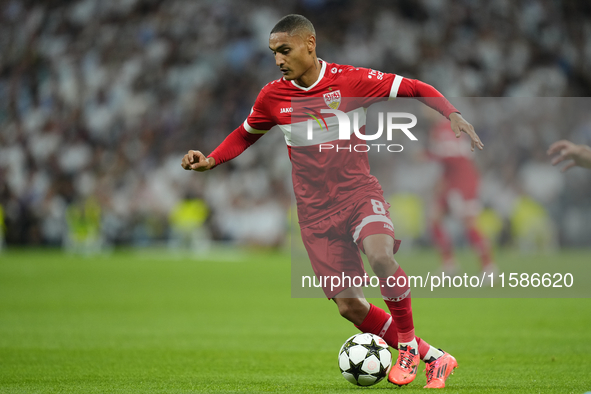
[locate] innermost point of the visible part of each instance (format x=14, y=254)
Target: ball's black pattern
x=355, y=369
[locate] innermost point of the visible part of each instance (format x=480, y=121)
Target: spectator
x=97, y=97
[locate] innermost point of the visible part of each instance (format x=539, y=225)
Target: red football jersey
x=325, y=181
x=456, y=158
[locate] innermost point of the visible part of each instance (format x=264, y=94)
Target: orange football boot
x=405, y=369
x=438, y=370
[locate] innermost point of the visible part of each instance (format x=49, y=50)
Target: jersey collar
x=320, y=76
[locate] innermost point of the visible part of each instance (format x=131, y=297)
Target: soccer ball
x=364, y=359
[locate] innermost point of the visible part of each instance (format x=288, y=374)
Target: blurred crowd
x=100, y=99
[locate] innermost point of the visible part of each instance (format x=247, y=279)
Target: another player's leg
x=441, y=238
x=479, y=242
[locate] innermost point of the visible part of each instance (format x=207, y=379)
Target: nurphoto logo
x=344, y=133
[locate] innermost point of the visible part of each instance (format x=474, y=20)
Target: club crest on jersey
x=333, y=99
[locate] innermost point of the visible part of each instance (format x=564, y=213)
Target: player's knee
x=382, y=263
x=351, y=308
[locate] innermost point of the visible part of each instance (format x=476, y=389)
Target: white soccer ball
x=364, y=359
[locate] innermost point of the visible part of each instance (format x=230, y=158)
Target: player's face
x=293, y=54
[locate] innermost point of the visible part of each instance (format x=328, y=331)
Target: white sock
x=413, y=344
x=433, y=353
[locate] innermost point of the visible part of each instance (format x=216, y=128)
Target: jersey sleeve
x=254, y=127
x=425, y=93
x=235, y=143
x=259, y=121
x=377, y=85
x=370, y=83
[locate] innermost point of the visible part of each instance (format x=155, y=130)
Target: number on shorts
x=378, y=207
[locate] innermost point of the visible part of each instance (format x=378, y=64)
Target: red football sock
x=380, y=323
x=396, y=294
x=442, y=241
x=423, y=348
x=481, y=245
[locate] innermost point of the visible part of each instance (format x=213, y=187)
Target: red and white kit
x=339, y=202
x=460, y=178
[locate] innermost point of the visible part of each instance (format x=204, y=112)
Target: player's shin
x=396, y=293
x=443, y=243
x=380, y=323
x=480, y=243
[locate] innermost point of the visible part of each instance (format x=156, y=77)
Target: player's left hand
x=459, y=125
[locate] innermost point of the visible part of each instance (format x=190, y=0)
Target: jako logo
x=345, y=124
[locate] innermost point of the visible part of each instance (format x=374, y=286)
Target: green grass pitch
x=159, y=322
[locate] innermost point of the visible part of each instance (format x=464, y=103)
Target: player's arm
x=237, y=142
x=431, y=97
x=234, y=144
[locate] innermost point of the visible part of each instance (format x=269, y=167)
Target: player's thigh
x=379, y=245
x=379, y=249
x=464, y=203
x=335, y=259
x=371, y=217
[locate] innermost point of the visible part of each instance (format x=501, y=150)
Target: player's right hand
x=196, y=161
